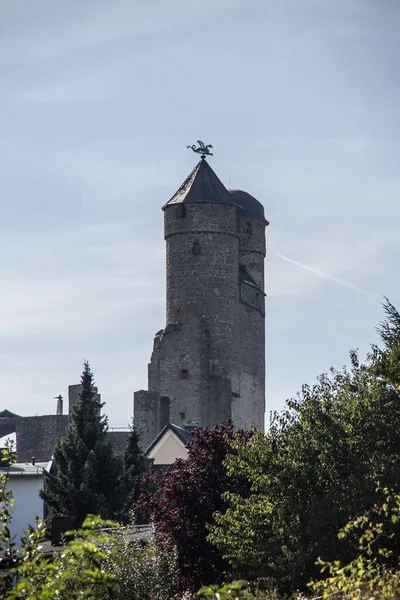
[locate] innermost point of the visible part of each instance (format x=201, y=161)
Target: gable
x=167, y=449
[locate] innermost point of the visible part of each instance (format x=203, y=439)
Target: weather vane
x=202, y=149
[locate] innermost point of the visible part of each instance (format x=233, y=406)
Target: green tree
x=189, y=493
x=99, y=562
x=134, y=467
x=77, y=572
x=8, y=546
x=374, y=573
x=317, y=467
x=88, y=471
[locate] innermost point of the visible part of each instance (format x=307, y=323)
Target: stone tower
x=208, y=364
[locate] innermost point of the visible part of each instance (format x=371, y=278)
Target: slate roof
x=251, y=207
x=202, y=185
x=182, y=434
x=7, y=414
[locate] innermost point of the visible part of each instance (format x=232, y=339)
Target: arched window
x=164, y=411
x=184, y=374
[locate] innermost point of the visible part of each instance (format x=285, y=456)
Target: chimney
x=59, y=405
x=33, y=460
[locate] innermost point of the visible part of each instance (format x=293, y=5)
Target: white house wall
x=168, y=449
x=27, y=503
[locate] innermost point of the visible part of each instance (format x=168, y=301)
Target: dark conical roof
x=202, y=185
x=251, y=207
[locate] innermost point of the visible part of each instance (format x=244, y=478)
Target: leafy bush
x=374, y=574
x=142, y=571
x=75, y=572
x=95, y=566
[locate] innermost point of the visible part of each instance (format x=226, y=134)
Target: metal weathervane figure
x=202, y=149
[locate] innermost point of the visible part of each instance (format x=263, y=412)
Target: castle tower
x=208, y=364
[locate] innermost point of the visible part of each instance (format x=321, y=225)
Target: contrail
x=324, y=275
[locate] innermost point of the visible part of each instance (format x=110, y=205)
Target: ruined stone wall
x=118, y=440
x=36, y=436
x=145, y=416
x=249, y=405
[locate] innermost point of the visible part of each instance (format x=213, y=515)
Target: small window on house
x=180, y=211
x=182, y=416
x=248, y=227
x=184, y=374
x=196, y=248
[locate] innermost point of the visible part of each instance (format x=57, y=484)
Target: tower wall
x=253, y=247
x=249, y=406
x=202, y=260
x=208, y=364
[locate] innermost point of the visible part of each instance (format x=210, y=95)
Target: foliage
x=374, y=574
x=88, y=470
x=190, y=492
x=237, y=590
x=142, y=571
x=240, y=590
x=75, y=572
x=7, y=544
x=134, y=467
x=317, y=467
x=95, y=565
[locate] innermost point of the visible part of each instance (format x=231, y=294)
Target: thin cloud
x=325, y=275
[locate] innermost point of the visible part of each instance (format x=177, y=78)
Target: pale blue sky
x=300, y=99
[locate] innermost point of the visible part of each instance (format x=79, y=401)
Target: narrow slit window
x=184, y=374
x=180, y=211
x=196, y=248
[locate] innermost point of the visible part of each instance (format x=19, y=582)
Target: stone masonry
x=208, y=364
x=36, y=436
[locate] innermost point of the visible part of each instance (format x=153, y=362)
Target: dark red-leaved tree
x=189, y=494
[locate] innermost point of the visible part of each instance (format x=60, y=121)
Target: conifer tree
x=88, y=471
x=134, y=466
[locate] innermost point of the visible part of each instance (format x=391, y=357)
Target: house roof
x=7, y=414
x=182, y=434
x=202, y=185
x=24, y=469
